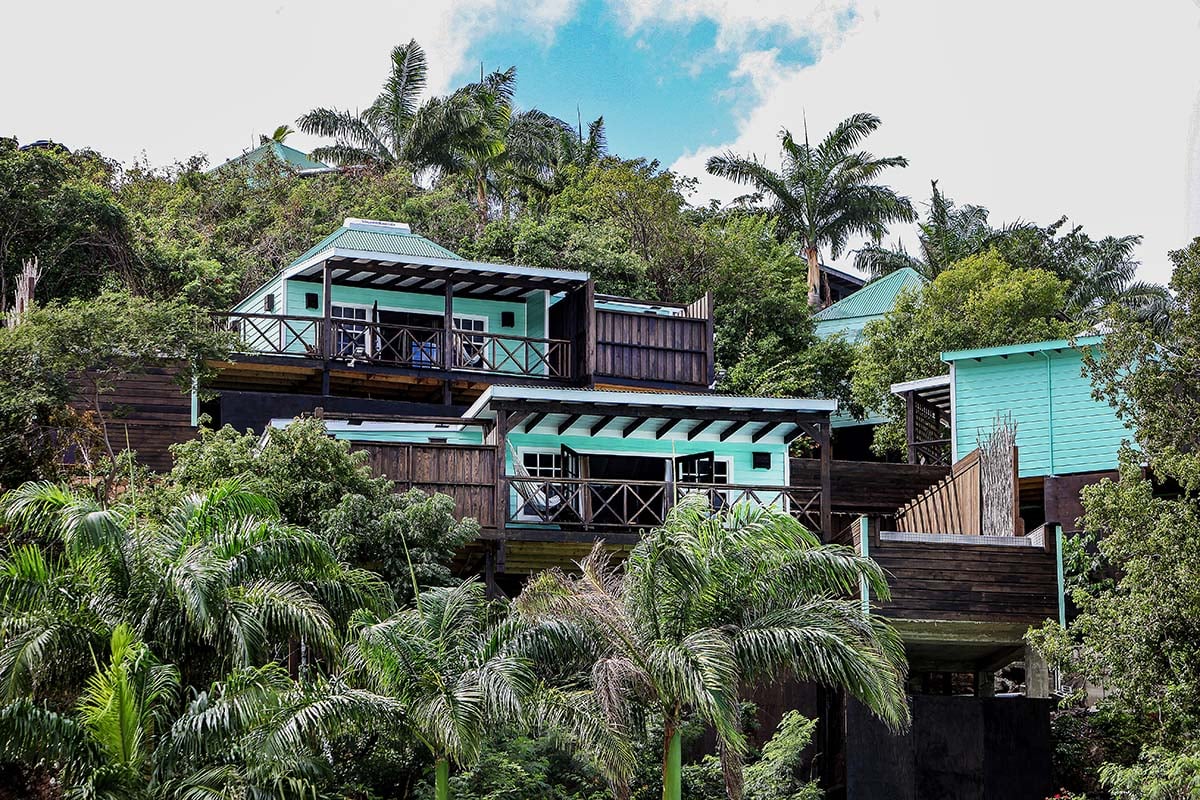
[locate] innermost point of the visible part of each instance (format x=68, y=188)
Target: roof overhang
x=379, y=270
x=680, y=416
x=933, y=391
x=1055, y=345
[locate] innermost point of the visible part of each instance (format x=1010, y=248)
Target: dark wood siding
x=653, y=348
x=954, y=581
x=465, y=472
x=149, y=411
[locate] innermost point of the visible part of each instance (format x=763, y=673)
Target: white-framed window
x=351, y=340
x=691, y=473
x=472, y=350
x=542, y=465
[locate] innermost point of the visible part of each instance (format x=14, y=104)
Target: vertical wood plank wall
x=650, y=347
x=466, y=473
x=952, y=505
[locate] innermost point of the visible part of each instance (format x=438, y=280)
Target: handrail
x=615, y=503
x=414, y=346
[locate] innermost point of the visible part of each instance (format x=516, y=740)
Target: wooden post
x=448, y=359
x=709, y=333
x=327, y=298
x=824, y=428
x=588, y=316
x=489, y=569
x=910, y=426
x=501, y=433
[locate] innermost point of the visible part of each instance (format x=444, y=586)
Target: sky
x=1033, y=109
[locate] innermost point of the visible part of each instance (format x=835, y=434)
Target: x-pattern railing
x=599, y=503
x=400, y=345
x=273, y=333
x=525, y=355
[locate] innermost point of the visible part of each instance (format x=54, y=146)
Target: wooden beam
x=661, y=412
x=699, y=429
x=430, y=273
x=327, y=330
x=764, y=430
x=534, y=421
x=730, y=430
x=633, y=426
x=793, y=434
x=666, y=427
x=602, y=424
x=567, y=423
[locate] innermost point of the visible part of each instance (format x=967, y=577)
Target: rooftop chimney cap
x=354, y=223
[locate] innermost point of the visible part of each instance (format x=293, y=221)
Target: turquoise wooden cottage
x=850, y=315
x=1065, y=437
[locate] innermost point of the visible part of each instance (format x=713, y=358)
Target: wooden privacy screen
x=652, y=347
x=955, y=504
x=465, y=472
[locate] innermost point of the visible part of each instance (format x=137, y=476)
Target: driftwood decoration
x=997, y=485
x=27, y=282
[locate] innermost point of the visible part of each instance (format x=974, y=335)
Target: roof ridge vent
x=382, y=226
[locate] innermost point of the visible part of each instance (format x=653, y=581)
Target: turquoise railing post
x=1058, y=564
x=864, y=589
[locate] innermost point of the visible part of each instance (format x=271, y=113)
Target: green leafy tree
x=979, y=302
x=79, y=350
x=708, y=602
x=1136, y=635
x=319, y=483
x=777, y=774
x=826, y=194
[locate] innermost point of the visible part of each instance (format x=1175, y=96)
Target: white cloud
x=1033, y=109
x=820, y=21
x=133, y=76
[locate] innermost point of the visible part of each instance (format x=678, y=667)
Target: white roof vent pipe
x=382, y=226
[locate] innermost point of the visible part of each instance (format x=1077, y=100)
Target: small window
x=542, y=465
x=691, y=473
x=508, y=319
x=310, y=301
x=269, y=302
x=762, y=460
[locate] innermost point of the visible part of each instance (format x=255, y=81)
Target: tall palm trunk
x=814, y=277
x=481, y=204
x=672, y=763
x=442, y=779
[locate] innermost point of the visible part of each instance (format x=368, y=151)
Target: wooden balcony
x=617, y=510
x=421, y=350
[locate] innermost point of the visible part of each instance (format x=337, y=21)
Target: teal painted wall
x=1060, y=428
x=407, y=301
x=850, y=327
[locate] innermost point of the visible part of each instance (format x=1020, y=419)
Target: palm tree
x=279, y=135
x=710, y=601
x=446, y=664
x=219, y=582
x=382, y=136
x=949, y=233
x=256, y=734
x=825, y=194
x=571, y=154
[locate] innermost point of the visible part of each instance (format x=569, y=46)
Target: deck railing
x=598, y=503
x=408, y=346
x=274, y=334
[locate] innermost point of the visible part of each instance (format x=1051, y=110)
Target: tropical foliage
x=711, y=601
x=824, y=194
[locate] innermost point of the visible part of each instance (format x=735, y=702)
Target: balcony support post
x=825, y=440
x=327, y=327
x=447, y=358
x=501, y=435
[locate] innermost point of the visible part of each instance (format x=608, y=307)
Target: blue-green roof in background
x=398, y=243
x=850, y=315
x=288, y=155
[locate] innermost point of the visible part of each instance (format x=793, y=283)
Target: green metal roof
x=1014, y=349
x=398, y=243
x=875, y=299
x=288, y=155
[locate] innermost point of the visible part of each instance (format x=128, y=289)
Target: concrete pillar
x=985, y=684
x=1037, y=675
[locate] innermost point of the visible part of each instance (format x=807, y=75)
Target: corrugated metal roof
x=394, y=243
x=875, y=299
x=288, y=155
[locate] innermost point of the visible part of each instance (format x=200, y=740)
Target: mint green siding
x=407, y=301
x=1061, y=429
